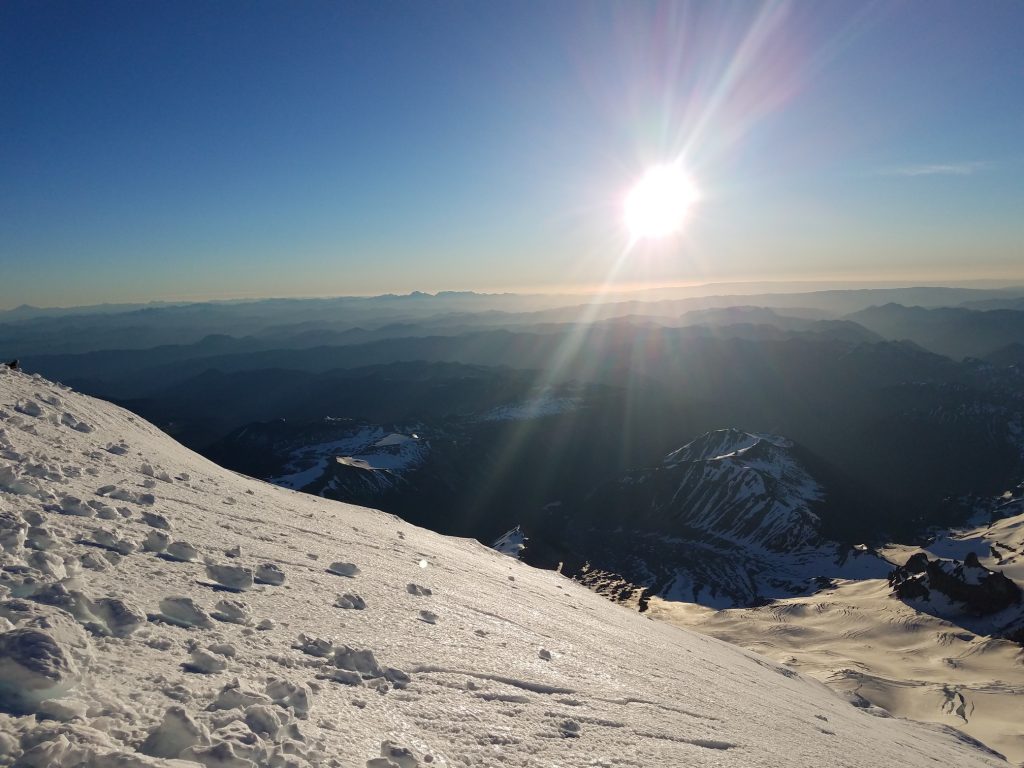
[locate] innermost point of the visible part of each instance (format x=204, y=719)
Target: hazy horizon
x=584, y=293
x=242, y=151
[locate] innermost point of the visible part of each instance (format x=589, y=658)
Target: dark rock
x=969, y=583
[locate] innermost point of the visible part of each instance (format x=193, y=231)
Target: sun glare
x=657, y=206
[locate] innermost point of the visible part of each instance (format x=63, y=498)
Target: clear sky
x=159, y=150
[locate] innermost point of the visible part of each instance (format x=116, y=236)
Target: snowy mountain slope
x=995, y=534
x=364, y=641
x=747, y=489
x=729, y=519
x=928, y=656
x=370, y=448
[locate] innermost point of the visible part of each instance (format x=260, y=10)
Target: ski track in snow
x=143, y=625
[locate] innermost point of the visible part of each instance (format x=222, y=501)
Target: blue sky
x=156, y=150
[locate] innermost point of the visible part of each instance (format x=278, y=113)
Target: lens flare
x=659, y=203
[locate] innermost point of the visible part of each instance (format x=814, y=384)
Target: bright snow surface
x=429, y=651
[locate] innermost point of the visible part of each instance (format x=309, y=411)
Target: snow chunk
x=176, y=733
x=185, y=612
x=156, y=520
x=33, y=667
x=72, y=505
x=350, y=601
x=361, y=661
x=291, y=695
x=202, y=660
x=220, y=755
x=239, y=694
x=231, y=611
x=343, y=569
x=13, y=530
x=63, y=710
x=29, y=407
x=269, y=573
x=237, y=578
x=181, y=551
x=156, y=541
x=108, y=539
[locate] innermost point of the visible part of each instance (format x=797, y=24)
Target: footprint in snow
x=429, y=617
x=569, y=729
x=418, y=591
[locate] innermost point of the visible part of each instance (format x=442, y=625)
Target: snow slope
x=929, y=659
x=860, y=640
x=362, y=641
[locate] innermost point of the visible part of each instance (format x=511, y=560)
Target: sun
x=659, y=203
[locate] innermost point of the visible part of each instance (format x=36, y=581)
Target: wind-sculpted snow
x=289, y=631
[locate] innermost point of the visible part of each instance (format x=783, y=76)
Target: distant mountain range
x=555, y=416
x=283, y=323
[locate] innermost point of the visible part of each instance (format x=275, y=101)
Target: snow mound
x=118, y=655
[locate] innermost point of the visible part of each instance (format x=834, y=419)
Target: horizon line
x=634, y=289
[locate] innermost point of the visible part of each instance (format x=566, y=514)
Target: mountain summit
x=747, y=488
x=157, y=610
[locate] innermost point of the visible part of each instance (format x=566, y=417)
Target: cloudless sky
x=159, y=150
